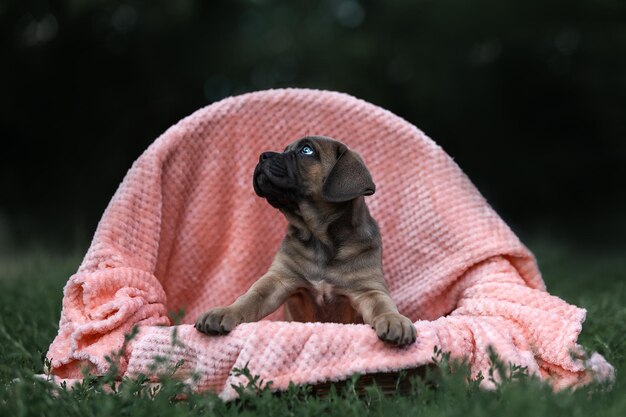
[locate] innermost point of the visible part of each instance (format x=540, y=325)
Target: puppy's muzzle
x=275, y=164
x=274, y=170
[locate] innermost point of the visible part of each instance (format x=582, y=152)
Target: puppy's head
x=316, y=168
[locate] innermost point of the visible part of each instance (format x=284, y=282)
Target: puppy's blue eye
x=306, y=150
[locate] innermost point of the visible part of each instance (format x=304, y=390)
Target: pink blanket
x=186, y=231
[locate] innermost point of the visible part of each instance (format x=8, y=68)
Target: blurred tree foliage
x=528, y=96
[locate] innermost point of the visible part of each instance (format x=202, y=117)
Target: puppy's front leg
x=263, y=297
x=379, y=311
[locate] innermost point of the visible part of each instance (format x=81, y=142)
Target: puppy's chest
x=317, y=270
x=325, y=295
x=323, y=292
x=326, y=284
x=327, y=273
x=321, y=301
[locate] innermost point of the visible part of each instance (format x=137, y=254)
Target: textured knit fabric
x=186, y=231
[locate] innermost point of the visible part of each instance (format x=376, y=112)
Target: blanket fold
x=185, y=231
x=99, y=309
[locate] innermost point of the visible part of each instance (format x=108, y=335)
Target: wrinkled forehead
x=321, y=144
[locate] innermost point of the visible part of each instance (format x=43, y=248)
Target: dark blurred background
x=529, y=97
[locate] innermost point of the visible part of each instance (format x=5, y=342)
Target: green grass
x=30, y=302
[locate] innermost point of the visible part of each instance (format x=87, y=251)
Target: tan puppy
x=329, y=266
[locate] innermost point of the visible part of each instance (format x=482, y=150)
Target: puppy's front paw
x=394, y=328
x=218, y=320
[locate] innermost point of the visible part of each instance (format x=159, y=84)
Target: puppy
x=329, y=266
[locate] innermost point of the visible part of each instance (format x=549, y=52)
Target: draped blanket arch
x=185, y=231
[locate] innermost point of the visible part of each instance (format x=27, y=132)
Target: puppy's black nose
x=267, y=155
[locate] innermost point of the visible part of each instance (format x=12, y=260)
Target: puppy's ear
x=348, y=179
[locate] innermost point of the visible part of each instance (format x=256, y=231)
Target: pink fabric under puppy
x=186, y=231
